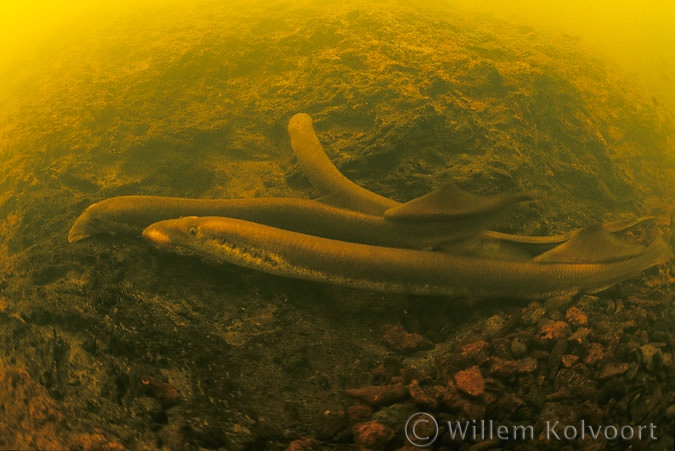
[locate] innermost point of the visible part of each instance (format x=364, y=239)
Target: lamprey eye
x=192, y=230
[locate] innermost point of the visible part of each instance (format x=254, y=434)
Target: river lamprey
x=354, y=237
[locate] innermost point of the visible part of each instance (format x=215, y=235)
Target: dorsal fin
x=625, y=224
x=593, y=244
x=450, y=202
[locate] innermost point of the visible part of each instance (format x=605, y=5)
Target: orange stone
x=470, y=381
x=576, y=317
x=372, y=435
x=380, y=395
x=304, y=444
x=553, y=331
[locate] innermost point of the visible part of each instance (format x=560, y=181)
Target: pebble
x=518, y=348
x=568, y=360
x=580, y=335
x=533, y=313
x=552, y=331
x=376, y=395
x=576, y=317
x=372, y=435
x=651, y=356
x=428, y=398
x=612, y=369
x=304, y=444
x=470, y=381
x=591, y=303
x=400, y=340
x=594, y=354
x=527, y=365
x=494, y=326
x=476, y=351
x=501, y=367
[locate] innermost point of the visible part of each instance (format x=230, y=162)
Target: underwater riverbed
x=109, y=343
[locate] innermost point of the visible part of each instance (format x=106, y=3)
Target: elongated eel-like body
x=301, y=256
x=131, y=214
x=325, y=177
x=134, y=213
x=323, y=174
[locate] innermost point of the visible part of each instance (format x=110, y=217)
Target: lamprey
x=131, y=214
x=297, y=255
x=325, y=177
